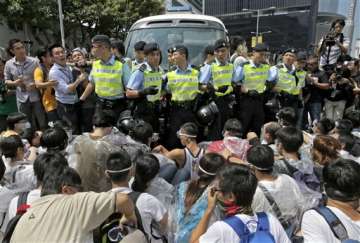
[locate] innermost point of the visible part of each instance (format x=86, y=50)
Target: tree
x=82, y=18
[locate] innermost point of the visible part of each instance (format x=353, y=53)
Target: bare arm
x=132, y=94
x=88, y=90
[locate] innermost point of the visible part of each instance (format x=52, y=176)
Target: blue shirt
x=64, y=77
x=206, y=74
x=274, y=72
x=240, y=71
x=136, y=81
x=126, y=72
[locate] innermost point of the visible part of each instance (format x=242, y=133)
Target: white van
x=192, y=30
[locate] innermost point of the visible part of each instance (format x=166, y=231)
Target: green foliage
x=82, y=18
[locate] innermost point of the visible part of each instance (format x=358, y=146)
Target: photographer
x=341, y=89
x=7, y=99
x=87, y=107
x=333, y=45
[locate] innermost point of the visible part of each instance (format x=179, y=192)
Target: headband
x=119, y=171
x=204, y=171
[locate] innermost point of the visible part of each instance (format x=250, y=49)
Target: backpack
x=21, y=209
x=335, y=224
x=108, y=230
x=261, y=235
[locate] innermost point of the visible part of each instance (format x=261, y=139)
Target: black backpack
x=21, y=209
x=113, y=222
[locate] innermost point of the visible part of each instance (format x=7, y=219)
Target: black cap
x=139, y=46
x=209, y=50
x=261, y=47
x=301, y=56
x=220, y=44
x=180, y=48
x=150, y=47
x=101, y=39
x=291, y=50
x=170, y=50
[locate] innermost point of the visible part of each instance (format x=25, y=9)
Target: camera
x=330, y=39
x=3, y=91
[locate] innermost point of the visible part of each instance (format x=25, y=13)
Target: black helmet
x=125, y=122
x=206, y=114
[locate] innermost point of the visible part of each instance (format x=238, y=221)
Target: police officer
x=183, y=85
x=301, y=74
x=108, y=76
x=219, y=77
x=253, y=76
x=287, y=80
x=139, y=55
x=145, y=86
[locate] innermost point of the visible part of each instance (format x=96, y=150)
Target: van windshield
x=195, y=39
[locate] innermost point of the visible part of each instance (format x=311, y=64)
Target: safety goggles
x=178, y=134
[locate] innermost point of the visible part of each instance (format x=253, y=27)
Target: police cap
x=150, y=47
x=101, y=39
x=220, y=44
x=290, y=50
x=261, y=47
x=139, y=46
x=301, y=56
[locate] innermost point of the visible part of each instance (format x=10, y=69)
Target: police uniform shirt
x=206, y=74
x=240, y=70
x=136, y=81
x=126, y=72
x=274, y=72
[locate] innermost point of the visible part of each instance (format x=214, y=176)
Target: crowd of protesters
x=100, y=147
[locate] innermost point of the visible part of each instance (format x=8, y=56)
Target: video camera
x=330, y=38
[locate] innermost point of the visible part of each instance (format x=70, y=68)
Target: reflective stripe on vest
x=153, y=79
x=301, y=83
x=286, y=81
x=108, y=79
x=255, y=77
x=222, y=75
x=184, y=87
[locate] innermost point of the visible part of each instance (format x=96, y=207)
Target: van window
x=195, y=39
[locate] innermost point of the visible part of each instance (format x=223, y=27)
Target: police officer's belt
x=183, y=104
x=110, y=103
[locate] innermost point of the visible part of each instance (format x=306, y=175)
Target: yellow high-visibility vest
x=184, y=87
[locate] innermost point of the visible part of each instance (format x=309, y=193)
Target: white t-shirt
x=221, y=232
x=149, y=208
x=315, y=228
x=5, y=198
x=32, y=196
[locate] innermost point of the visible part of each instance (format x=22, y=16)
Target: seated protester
x=54, y=140
x=43, y=163
x=234, y=195
x=186, y=159
x=32, y=144
x=191, y=198
x=89, y=152
x=153, y=214
x=5, y=198
x=342, y=127
x=299, y=166
x=16, y=123
x=269, y=131
x=342, y=187
x=19, y=175
x=349, y=147
x=287, y=117
x=323, y=127
x=147, y=179
x=278, y=194
x=64, y=215
x=325, y=150
x=232, y=147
